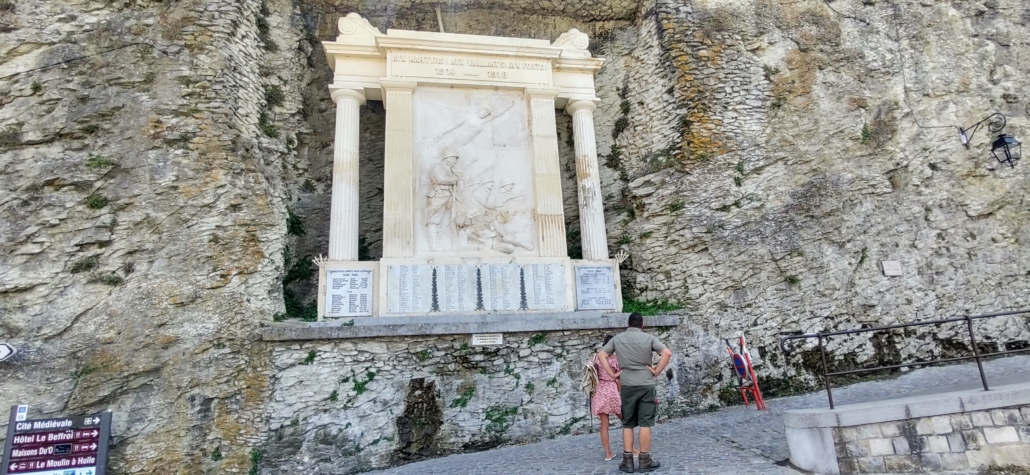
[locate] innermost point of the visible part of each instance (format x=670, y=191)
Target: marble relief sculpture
x=468, y=203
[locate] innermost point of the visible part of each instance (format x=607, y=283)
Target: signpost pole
x=103, y=443
x=9, y=441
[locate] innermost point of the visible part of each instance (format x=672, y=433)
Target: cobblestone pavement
x=735, y=440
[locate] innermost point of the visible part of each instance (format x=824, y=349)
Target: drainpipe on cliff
x=439, y=19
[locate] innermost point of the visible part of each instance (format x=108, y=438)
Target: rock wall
x=166, y=168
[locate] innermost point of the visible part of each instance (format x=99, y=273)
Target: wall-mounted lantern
x=1006, y=149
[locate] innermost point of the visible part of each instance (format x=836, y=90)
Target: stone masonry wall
x=951, y=442
x=352, y=405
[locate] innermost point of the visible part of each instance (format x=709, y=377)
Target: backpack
x=588, y=383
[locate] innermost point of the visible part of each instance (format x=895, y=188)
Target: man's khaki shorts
x=638, y=406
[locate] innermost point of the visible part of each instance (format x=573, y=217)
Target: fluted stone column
x=591, y=210
x=343, y=211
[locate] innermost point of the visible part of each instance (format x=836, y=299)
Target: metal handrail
x=788, y=348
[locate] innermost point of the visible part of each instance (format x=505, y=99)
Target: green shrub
x=294, y=224
x=267, y=127
x=643, y=307
x=274, y=96
x=36, y=87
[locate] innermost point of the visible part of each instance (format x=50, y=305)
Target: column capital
x=577, y=104
x=339, y=93
x=542, y=92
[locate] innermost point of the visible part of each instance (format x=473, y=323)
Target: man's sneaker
x=647, y=463
x=627, y=462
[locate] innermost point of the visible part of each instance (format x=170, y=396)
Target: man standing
x=633, y=348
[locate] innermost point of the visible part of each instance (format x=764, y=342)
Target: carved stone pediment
x=355, y=27
x=575, y=44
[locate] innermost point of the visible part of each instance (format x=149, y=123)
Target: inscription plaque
x=456, y=288
x=487, y=339
x=410, y=288
x=502, y=289
x=891, y=268
x=348, y=293
x=545, y=286
x=595, y=288
x=479, y=68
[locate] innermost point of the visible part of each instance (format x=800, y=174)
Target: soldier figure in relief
x=443, y=183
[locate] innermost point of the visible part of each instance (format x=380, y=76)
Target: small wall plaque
x=891, y=268
x=487, y=339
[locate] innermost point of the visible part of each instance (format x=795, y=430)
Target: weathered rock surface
x=760, y=158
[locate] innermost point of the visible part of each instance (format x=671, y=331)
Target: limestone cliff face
x=166, y=166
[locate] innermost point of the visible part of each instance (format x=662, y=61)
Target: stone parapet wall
x=948, y=442
x=953, y=431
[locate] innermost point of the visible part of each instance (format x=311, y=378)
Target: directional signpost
x=61, y=446
x=6, y=351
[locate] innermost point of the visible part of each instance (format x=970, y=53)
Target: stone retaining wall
x=949, y=442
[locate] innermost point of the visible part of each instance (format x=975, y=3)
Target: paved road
x=735, y=440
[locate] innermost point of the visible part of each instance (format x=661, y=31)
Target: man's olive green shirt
x=633, y=349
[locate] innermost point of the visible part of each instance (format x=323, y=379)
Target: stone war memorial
x=473, y=218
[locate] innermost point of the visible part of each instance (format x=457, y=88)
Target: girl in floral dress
x=606, y=399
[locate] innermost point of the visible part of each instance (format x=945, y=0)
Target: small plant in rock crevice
x=111, y=279
x=10, y=137
x=216, y=454
x=255, y=461
x=867, y=134
x=96, y=162
x=85, y=264
x=310, y=358
x=463, y=399
x=274, y=96
x=96, y=201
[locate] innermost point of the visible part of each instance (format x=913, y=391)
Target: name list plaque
x=458, y=292
x=348, y=293
x=545, y=286
x=410, y=288
x=502, y=289
x=64, y=445
x=595, y=288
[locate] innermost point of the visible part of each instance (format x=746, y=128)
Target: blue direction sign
x=60, y=446
x=6, y=351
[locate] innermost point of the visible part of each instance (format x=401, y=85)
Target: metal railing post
x=976, y=352
x=826, y=371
